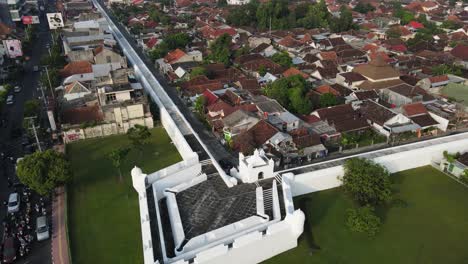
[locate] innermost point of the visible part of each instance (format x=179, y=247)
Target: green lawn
x=431, y=226
x=457, y=91
x=104, y=222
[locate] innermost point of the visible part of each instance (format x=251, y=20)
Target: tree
x=328, y=99
x=344, y=22
x=393, y=32
x=222, y=3
x=363, y=8
x=117, y=156
x=363, y=220
x=44, y=171
x=291, y=92
x=177, y=41
x=200, y=104
x=262, y=70
x=443, y=69
x=136, y=29
x=31, y=107
x=282, y=58
x=220, y=51
x=366, y=181
x=139, y=136
x=197, y=71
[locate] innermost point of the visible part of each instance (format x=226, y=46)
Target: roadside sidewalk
x=60, y=252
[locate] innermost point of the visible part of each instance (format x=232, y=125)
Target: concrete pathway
x=60, y=252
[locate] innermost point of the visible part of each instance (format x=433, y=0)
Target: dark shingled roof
x=376, y=112
x=424, y=120
x=463, y=159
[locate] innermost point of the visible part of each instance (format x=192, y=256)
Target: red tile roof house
x=255, y=137
x=414, y=26
x=199, y=84
x=460, y=52
x=343, y=117
x=177, y=56
x=418, y=113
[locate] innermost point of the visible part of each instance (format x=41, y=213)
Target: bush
x=363, y=220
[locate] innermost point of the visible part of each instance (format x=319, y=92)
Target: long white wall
x=411, y=158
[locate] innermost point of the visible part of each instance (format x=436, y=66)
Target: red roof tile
x=323, y=89
x=440, y=78
x=76, y=67
x=210, y=97
x=294, y=71
x=174, y=55
x=415, y=25
x=461, y=52
x=414, y=109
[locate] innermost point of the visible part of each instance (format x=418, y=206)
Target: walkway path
x=60, y=252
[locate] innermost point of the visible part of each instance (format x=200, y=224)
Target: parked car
x=42, y=229
x=9, y=100
x=13, y=203
x=9, y=250
x=17, y=89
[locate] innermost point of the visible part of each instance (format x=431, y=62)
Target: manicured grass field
x=457, y=91
x=104, y=222
x=430, y=226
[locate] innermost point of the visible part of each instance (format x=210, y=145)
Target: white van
x=13, y=203
x=42, y=229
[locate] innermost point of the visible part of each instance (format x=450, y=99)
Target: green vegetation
x=170, y=42
x=139, y=137
x=198, y=71
x=282, y=58
x=220, y=49
x=291, y=92
x=32, y=107
x=428, y=227
x=103, y=216
x=369, y=137
x=393, y=32
x=278, y=15
x=363, y=8
x=458, y=91
x=443, y=69
x=363, y=220
x=366, y=182
x=43, y=171
x=328, y=99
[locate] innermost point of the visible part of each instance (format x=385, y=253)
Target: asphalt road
x=13, y=115
x=213, y=144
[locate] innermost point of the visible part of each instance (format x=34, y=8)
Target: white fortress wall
x=418, y=156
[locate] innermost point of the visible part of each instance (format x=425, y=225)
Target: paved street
x=13, y=115
x=212, y=143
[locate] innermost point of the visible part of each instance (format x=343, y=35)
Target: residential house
x=237, y=122
x=343, y=118
x=384, y=120
x=420, y=116
x=177, y=56
x=402, y=94
x=75, y=90
x=350, y=79
x=254, y=137
x=457, y=167
x=379, y=75
x=460, y=52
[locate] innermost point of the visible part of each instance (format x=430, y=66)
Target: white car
x=9, y=100
x=13, y=203
x=42, y=229
x=17, y=89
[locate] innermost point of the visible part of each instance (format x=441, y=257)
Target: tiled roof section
x=255, y=137
x=150, y=43
x=365, y=95
x=343, y=118
x=353, y=76
x=76, y=67
x=310, y=118
x=174, y=56
x=308, y=140
x=424, y=120
x=414, y=109
x=377, y=69
x=260, y=48
x=294, y=71
x=440, y=78
x=289, y=42
x=375, y=112
x=323, y=89
x=250, y=85
x=341, y=89
x=220, y=105
x=328, y=55
x=201, y=83
x=210, y=97
x=460, y=52
x=368, y=85
x=415, y=25
x=328, y=72
x=411, y=91
x=75, y=87
x=80, y=115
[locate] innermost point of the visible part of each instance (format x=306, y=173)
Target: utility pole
x=34, y=131
x=43, y=94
